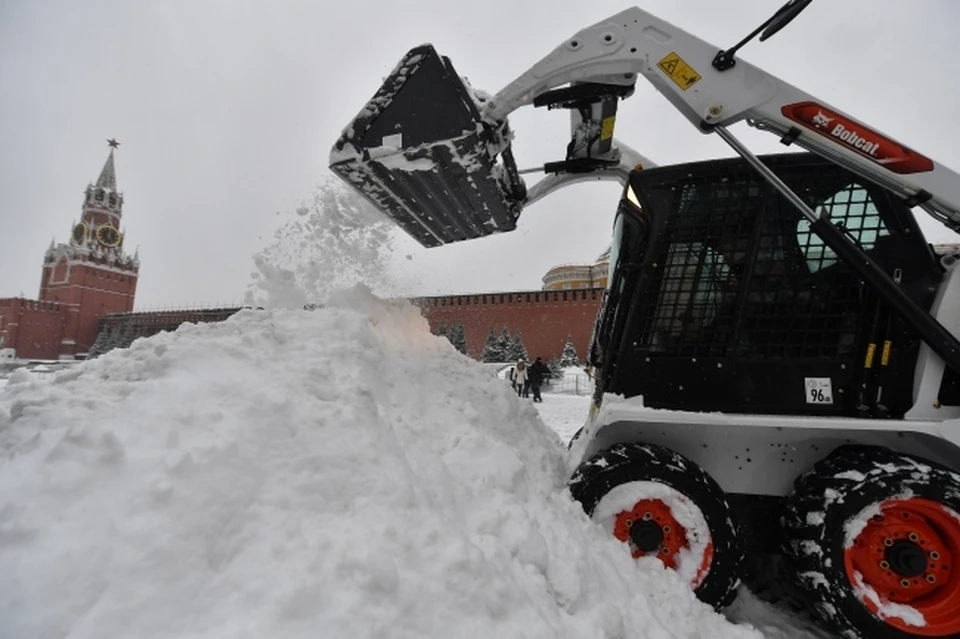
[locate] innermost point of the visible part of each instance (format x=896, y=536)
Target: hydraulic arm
x=602, y=63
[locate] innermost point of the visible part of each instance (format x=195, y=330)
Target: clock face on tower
x=108, y=236
x=80, y=233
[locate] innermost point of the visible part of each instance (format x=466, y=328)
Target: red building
x=543, y=319
x=82, y=280
x=565, y=309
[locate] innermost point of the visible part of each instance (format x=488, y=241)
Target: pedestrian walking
x=537, y=374
x=521, y=379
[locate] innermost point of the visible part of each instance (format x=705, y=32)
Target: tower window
x=112, y=199
x=99, y=195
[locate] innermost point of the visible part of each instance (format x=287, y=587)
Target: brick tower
x=91, y=275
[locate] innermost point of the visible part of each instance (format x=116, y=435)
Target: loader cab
x=721, y=298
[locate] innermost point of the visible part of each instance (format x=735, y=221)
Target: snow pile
x=338, y=473
x=336, y=240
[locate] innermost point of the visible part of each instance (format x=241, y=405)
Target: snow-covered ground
x=564, y=414
x=334, y=473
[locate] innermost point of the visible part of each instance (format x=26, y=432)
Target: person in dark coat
x=537, y=374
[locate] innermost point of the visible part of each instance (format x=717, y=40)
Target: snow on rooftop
x=286, y=474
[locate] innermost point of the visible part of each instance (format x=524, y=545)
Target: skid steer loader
x=776, y=353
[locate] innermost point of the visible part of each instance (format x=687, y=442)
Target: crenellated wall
x=544, y=318
x=118, y=330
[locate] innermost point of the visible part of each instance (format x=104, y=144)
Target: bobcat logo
x=821, y=121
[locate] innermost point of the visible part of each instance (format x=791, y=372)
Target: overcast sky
x=226, y=111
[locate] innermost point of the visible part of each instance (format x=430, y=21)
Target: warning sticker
x=679, y=71
x=606, y=127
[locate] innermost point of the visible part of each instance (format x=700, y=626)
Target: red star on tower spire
x=112, y=143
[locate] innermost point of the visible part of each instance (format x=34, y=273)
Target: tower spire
x=108, y=176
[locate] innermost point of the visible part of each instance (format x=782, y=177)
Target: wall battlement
x=544, y=319
x=31, y=305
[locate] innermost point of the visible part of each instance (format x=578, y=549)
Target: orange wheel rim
x=652, y=520
x=906, y=555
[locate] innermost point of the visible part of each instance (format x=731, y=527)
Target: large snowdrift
x=335, y=473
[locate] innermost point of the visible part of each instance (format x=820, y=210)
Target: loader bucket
x=421, y=152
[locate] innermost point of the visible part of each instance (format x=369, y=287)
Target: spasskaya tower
x=91, y=275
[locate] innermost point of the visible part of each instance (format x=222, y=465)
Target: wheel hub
x=906, y=558
x=905, y=555
x=647, y=535
x=651, y=529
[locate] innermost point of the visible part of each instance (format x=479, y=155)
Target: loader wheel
x=663, y=505
x=875, y=538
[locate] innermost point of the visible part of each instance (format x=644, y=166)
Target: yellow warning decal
x=871, y=350
x=606, y=127
x=885, y=358
x=679, y=71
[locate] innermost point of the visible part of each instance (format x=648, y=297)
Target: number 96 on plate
x=819, y=390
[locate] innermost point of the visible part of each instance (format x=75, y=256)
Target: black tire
x=833, y=494
x=625, y=463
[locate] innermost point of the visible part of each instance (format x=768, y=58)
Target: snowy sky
x=226, y=111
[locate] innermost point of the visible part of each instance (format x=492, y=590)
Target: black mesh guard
x=423, y=155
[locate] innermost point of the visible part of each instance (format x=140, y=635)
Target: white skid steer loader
x=776, y=354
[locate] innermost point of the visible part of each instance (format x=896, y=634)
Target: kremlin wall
x=88, y=285
x=564, y=309
x=545, y=320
